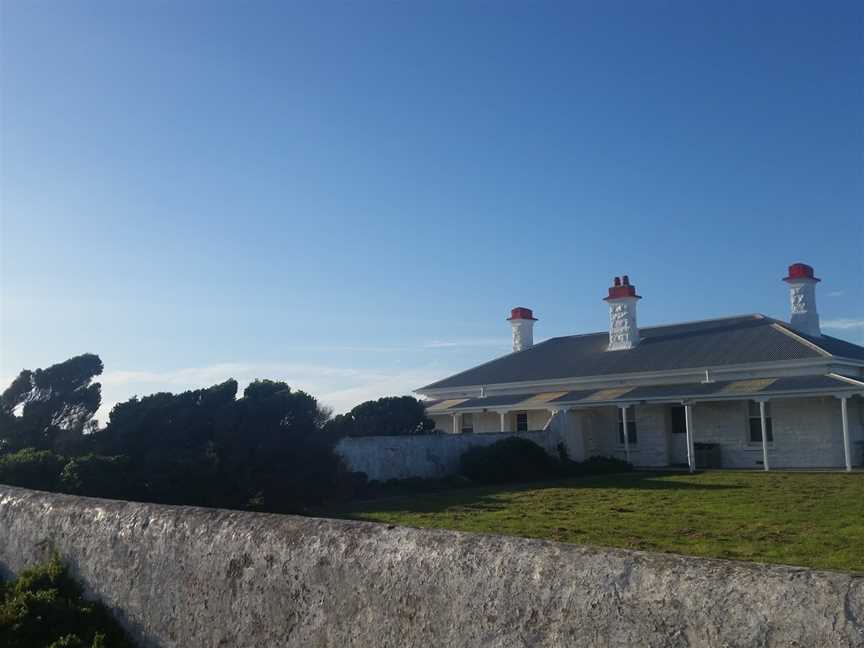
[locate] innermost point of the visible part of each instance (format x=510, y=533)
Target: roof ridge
x=754, y=316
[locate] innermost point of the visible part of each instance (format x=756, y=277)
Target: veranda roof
x=720, y=390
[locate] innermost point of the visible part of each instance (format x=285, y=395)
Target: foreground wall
x=191, y=577
x=437, y=455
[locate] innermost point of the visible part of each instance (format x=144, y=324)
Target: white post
x=845, y=416
x=455, y=424
x=503, y=416
x=764, y=435
x=552, y=414
x=626, y=436
x=688, y=421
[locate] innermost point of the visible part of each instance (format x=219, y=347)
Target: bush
x=44, y=607
x=97, y=476
x=520, y=460
x=31, y=468
x=595, y=466
x=508, y=460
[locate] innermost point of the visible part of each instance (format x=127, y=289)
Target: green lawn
x=810, y=519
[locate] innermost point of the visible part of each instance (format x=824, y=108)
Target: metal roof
x=722, y=390
x=740, y=340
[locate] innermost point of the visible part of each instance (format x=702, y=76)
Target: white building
x=746, y=391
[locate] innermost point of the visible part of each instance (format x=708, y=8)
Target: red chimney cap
x=521, y=313
x=621, y=288
x=798, y=271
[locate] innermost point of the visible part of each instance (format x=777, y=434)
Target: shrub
x=97, y=476
x=44, y=607
x=595, y=466
x=508, y=460
x=31, y=468
x=518, y=460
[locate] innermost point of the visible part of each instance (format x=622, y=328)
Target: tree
x=271, y=449
x=389, y=416
x=277, y=450
x=51, y=408
x=168, y=440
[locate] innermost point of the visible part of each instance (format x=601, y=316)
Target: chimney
x=522, y=321
x=623, y=332
x=802, y=299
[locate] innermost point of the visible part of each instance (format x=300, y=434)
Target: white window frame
x=631, y=420
x=769, y=423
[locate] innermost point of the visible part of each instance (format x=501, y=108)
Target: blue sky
x=351, y=196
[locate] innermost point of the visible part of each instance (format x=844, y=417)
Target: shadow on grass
x=485, y=498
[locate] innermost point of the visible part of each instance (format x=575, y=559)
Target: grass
x=808, y=519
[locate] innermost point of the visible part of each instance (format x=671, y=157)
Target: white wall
x=436, y=455
x=807, y=433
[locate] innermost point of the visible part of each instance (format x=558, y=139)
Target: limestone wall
x=437, y=455
x=188, y=577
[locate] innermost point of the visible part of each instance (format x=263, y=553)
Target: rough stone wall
x=437, y=455
x=188, y=577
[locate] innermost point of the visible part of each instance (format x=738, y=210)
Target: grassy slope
x=815, y=520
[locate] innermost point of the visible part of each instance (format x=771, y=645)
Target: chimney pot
x=522, y=323
x=623, y=331
x=802, y=299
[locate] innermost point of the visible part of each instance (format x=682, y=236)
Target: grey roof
x=729, y=389
x=742, y=339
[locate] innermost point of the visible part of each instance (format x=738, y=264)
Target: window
x=467, y=423
x=756, y=423
x=631, y=427
x=679, y=422
x=522, y=421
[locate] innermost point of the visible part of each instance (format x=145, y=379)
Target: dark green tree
x=389, y=416
x=50, y=409
x=168, y=441
x=276, y=448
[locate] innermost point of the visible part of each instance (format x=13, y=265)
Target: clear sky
x=351, y=196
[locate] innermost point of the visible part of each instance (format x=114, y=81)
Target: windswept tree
x=50, y=409
x=271, y=449
x=389, y=416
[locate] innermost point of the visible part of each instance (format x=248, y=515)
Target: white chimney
x=802, y=299
x=623, y=331
x=522, y=322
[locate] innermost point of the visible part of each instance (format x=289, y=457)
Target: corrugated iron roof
x=737, y=340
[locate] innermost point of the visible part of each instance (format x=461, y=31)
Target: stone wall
x=189, y=577
x=437, y=455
